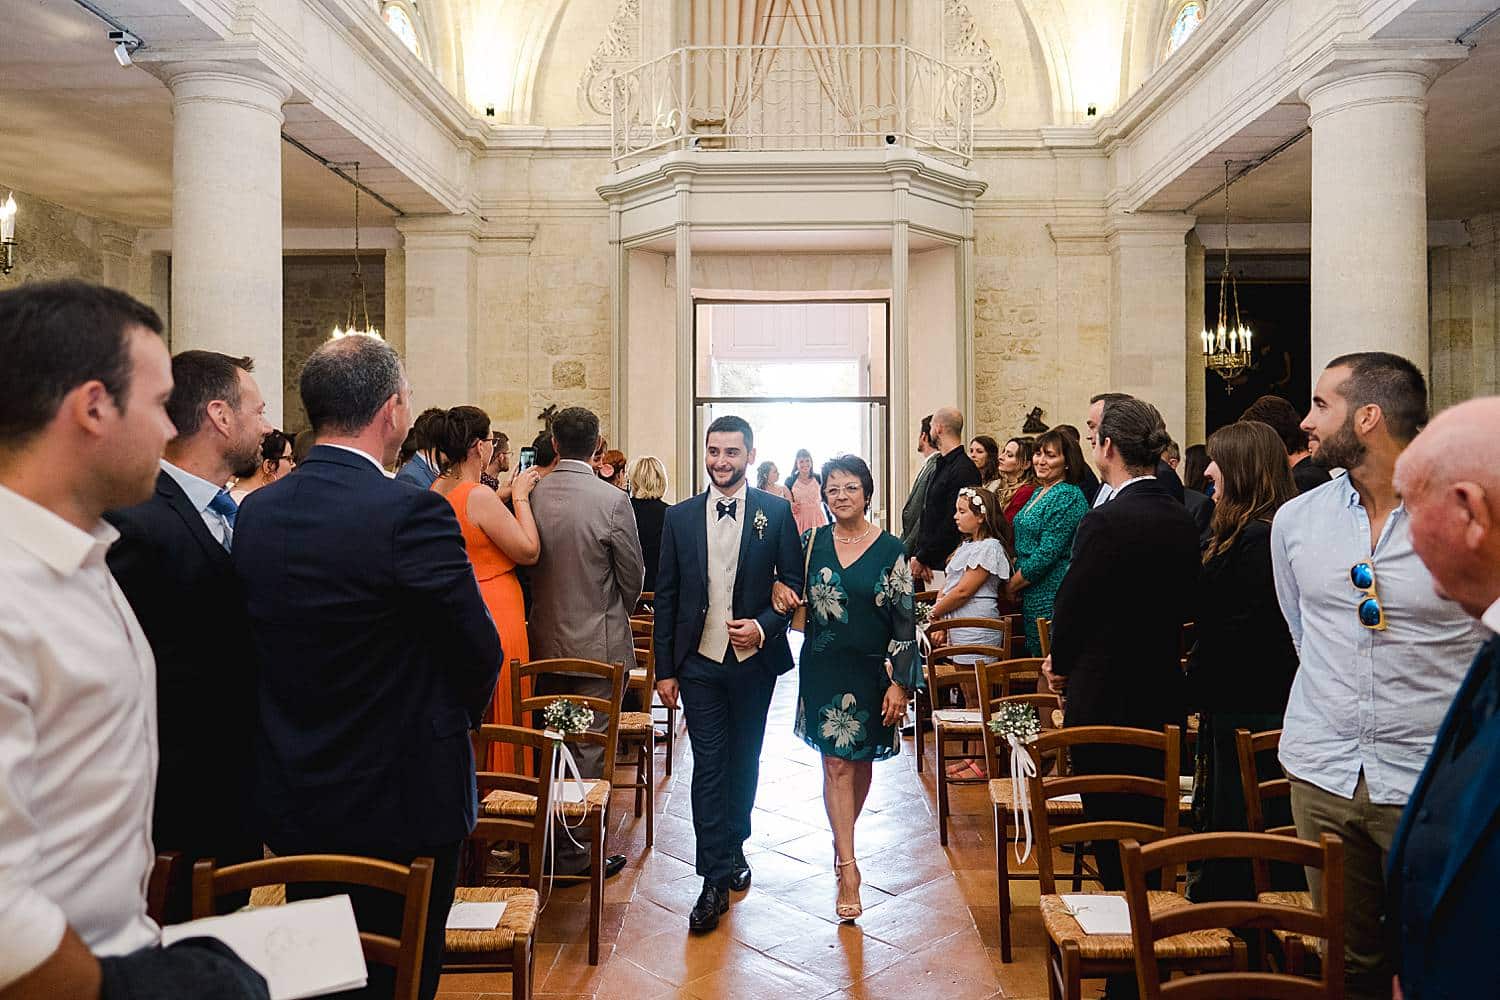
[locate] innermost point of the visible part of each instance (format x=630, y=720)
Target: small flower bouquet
x=565, y=718
x=923, y=612
x=1016, y=721
x=760, y=524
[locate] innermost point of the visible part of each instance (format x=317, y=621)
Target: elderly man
x=1444, y=870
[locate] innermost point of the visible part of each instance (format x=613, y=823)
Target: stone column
x=1484, y=234
x=1148, y=311
x=898, y=366
x=687, y=362
x=1196, y=431
x=226, y=214
x=442, y=308
x=1369, y=210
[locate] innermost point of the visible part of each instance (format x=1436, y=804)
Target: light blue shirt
x=201, y=493
x=1363, y=699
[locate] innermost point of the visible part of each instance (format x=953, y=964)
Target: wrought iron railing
x=792, y=97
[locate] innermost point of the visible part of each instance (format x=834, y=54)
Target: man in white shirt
x=172, y=562
x=83, y=422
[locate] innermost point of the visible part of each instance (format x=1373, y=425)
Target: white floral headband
x=974, y=497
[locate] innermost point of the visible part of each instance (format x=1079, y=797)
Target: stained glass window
x=1184, y=24
x=398, y=20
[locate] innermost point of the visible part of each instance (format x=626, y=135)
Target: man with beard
x=172, y=562
x=721, y=644
x=1381, y=654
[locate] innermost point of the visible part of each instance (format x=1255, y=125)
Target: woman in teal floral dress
x=1044, y=530
x=859, y=662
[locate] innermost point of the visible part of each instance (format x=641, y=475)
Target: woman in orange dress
x=496, y=539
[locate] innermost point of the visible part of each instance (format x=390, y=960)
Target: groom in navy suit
x=720, y=645
x=1444, y=867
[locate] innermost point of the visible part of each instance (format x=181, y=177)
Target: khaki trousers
x=1367, y=830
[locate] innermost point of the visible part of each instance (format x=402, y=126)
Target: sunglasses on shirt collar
x=1371, y=614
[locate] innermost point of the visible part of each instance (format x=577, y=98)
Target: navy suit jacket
x=377, y=656
x=182, y=587
x=417, y=472
x=766, y=556
x=1443, y=932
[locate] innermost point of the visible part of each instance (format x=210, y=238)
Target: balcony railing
x=792, y=97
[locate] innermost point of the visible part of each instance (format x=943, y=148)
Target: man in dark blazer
x=938, y=535
x=1444, y=874
x=721, y=644
x=377, y=656
x=172, y=562
x=421, y=470
x=1165, y=474
x=1116, y=650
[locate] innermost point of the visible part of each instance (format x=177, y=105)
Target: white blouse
x=987, y=554
x=78, y=749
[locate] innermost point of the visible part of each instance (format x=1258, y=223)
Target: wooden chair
x=992, y=680
x=413, y=884
x=593, y=812
x=164, y=876
x=642, y=629
x=510, y=946
x=1153, y=928
x=1297, y=953
x=942, y=674
x=957, y=725
x=1072, y=954
x=1044, y=636
x=637, y=745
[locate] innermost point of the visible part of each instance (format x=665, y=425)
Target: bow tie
x=726, y=508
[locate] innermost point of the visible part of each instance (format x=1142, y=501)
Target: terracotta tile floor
x=930, y=927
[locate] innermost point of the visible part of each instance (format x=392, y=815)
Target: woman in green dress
x=859, y=662
x=1044, y=530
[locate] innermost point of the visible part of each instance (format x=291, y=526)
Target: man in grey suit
x=911, y=513
x=585, y=586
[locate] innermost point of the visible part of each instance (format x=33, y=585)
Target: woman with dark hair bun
x=859, y=661
x=497, y=541
x=274, y=461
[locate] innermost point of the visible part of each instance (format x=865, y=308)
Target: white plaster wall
x=931, y=337
x=651, y=365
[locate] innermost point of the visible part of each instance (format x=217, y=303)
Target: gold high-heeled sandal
x=846, y=912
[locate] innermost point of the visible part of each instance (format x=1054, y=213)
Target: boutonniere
x=760, y=524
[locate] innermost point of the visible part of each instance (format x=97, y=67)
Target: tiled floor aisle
x=929, y=928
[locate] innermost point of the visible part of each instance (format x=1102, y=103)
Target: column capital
x=440, y=232
x=1377, y=81
x=1078, y=239
x=1148, y=229
x=223, y=81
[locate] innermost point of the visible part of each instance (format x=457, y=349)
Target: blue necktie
x=223, y=504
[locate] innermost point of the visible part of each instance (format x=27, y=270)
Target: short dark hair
x=731, y=424
x=1282, y=418
x=56, y=336
x=421, y=428
x=576, y=430
x=1110, y=397
x=1066, y=445
x=455, y=432
x=346, y=381
x=1067, y=429
x=1136, y=429
x=1390, y=382
x=273, y=445
x=1172, y=449
x=546, y=455
x=199, y=378
x=855, y=466
x=502, y=439
x=927, y=428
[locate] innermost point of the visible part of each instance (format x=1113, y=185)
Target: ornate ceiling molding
x=964, y=46
x=619, y=50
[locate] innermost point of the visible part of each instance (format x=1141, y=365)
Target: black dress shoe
x=739, y=875
x=613, y=865
x=712, y=902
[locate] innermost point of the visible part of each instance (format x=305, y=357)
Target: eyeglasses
x=835, y=492
x=1371, y=614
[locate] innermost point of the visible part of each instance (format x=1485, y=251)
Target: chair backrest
x=645, y=659
x=164, y=874
x=614, y=673
x=1257, y=794
x=413, y=883
x=927, y=596
x=945, y=655
x=1261, y=848
x=1044, y=635
x=528, y=830
x=993, y=681
x=1163, y=788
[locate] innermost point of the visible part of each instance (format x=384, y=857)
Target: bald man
x=1444, y=877
x=938, y=536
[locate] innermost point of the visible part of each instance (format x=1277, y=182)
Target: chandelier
x=357, y=320
x=1226, y=349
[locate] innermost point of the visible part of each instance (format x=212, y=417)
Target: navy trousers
x=726, y=705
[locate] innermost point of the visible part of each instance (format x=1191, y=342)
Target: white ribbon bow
x=563, y=766
x=1022, y=769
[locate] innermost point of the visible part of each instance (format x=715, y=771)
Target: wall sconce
x=8, y=234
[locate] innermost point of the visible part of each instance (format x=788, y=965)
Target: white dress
x=987, y=554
